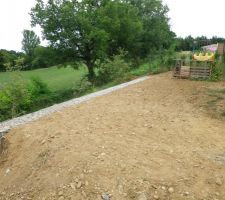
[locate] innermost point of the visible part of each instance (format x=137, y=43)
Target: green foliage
x=18, y=97
x=156, y=33
x=189, y=43
x=2, y=61
x=112, y=69
x=216, y=72
x=95, y=30
x=158, y=63
x=123, y=25
x=41, y=95
x=56, y=78
x=82, y=87
x=46, y=57
x=30, y=42
x=19, y=64
x=223, y=58
x=15, y=98
x=8, y=59
x=38, y=87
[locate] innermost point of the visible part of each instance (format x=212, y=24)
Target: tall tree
x=91, y=29
x=156, y=33
x=30, y=42
x=2, y=61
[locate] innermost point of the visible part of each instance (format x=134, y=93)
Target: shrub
x=19, y=97
x=38, y=87
x=15, y=99
x=216, y=72
x=40, y=94
x=82, y=87
x=141, y=70
x=113, y=69
x=223, y=58
x=154, y=67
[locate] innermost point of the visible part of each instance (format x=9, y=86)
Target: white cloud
x=197, y=17
x=188, y=17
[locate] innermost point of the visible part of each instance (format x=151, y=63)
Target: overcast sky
x=188, y=17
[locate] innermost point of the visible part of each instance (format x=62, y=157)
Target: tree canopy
x=92, y=30
x=30, y=42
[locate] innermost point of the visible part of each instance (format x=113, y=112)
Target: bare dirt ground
x=154, y=140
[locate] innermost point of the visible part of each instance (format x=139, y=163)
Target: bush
x=113, y=69
x=19, y=97
x=41, y=96
x=15, y=99
x=38, y=87
x=82, y=87
x=216, y=72
x=154, y=67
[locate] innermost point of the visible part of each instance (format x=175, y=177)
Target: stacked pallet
x=200, y=72
x=182, y=72
x=192, y=72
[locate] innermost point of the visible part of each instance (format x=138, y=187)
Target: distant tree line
x=33, y=56
x=190, y=43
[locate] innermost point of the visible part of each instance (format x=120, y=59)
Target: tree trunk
x=91, y=72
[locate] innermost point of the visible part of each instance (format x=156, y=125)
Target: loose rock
x=142, y=197
x=60, y=193
x=171, y=190
x=105, y=196
x=72, y=185
x=219, y=181
x=79, y=184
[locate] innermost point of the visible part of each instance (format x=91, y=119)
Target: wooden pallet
x=182, y=72
x=192, y=72
x=200, y=72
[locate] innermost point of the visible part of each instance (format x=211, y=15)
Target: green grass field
x=56, y=78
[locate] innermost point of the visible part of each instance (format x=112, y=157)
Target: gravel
x=7, y=125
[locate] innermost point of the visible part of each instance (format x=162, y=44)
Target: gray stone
x=60, y=193
x=171, y=190
x=142, y=197
x=219, y=181
x=79, y=184
x=105, y=196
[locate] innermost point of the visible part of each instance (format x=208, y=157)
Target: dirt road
x=152, y=140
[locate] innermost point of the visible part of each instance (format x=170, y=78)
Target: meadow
x=56, y=78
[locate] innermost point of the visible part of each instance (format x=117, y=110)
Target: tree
x=46, y=57
x=30, y=42
x=7, y=59
x=156, y=35
x=92, y=30
x=2, y=61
